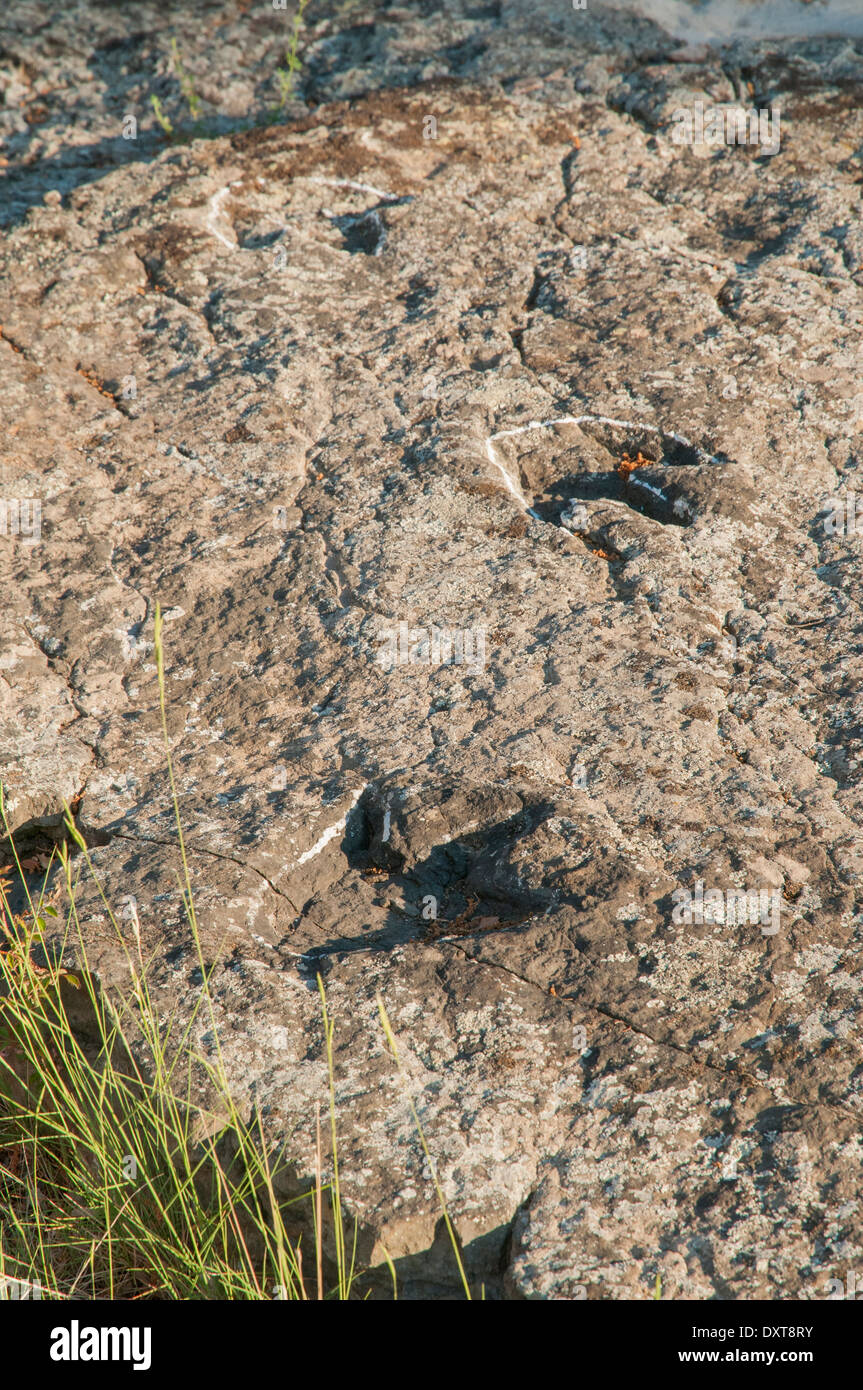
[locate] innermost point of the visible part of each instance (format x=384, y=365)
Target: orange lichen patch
x=466, y=923
x=92, y=380
x=597, y=545
x=13, y=346
x=628, y=465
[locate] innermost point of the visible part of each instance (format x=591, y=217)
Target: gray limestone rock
x=325, y=389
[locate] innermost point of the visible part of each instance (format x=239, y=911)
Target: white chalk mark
x=636, y=425
x=359, y=187
x=332, y=831
x=657, y=492
x=605, y=420
x=511, y=488
x=216, y=212
x=387, y=819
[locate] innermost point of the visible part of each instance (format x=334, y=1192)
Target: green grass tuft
x=166, y=125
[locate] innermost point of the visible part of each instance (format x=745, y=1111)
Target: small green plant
x=187, y=87
x=286, y=75
x=161, y=117
x=186, y=81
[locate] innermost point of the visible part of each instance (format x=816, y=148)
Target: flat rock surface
x=325, y=386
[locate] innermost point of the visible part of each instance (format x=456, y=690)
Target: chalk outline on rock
x=332, y=831
x=516, y=492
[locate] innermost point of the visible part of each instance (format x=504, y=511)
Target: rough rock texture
x=304, y=382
